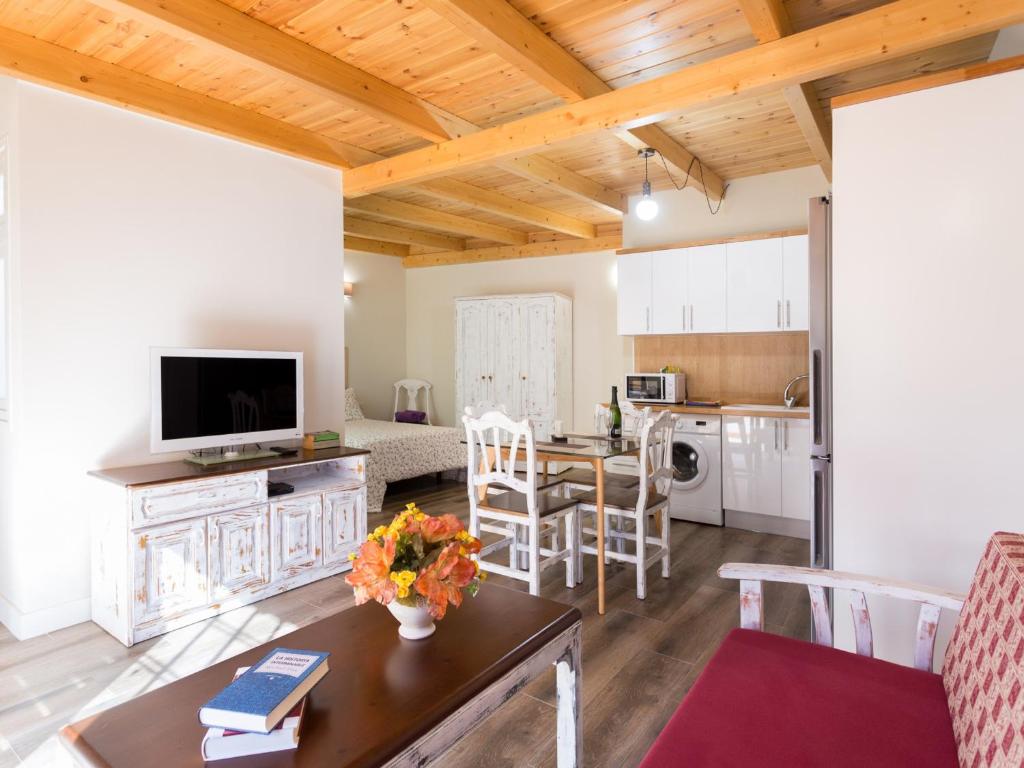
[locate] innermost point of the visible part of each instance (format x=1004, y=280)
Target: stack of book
x=262, y=709
x=325, y=438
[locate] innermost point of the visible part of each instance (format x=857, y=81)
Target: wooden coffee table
x=386, y=701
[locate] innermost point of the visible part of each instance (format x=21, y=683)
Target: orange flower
x=435, y=529
x=371, y=572
x=442, y=581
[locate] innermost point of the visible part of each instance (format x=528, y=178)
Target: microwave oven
x=656, y=387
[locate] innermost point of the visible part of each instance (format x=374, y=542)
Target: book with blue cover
x=260, y=698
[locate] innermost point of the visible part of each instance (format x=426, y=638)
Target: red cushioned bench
x=765, y=700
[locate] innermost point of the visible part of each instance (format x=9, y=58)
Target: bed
x=399, y=451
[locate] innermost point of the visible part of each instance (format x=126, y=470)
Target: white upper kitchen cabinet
x=796, y=468
x=752, y=465
x=670, y=291
x=795, y=291
x=754, y=285
x=707, y=279
x=634, y=291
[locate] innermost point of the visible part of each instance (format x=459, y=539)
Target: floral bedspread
x=400, y=451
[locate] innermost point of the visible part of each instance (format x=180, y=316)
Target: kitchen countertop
x=735, y=409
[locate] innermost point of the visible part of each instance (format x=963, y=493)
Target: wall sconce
x=348, y=290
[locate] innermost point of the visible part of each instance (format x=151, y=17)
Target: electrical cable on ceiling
x=700, y=169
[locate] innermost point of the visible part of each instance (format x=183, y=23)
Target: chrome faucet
x=790, y=400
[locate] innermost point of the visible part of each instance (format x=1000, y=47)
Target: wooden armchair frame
x=932, y=599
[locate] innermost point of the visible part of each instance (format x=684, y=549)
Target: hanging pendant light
x=647, y=208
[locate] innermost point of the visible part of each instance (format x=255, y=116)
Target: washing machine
x=697, y=469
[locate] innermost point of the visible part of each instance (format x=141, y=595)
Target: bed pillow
x=352, y=409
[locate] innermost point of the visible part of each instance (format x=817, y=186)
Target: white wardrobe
x=516, y=351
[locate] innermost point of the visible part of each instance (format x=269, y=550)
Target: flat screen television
x=208, y=398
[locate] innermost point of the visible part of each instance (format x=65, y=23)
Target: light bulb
x=646, y=209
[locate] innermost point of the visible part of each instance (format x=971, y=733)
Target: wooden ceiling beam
x=507, y=33
x=367, y=245
x=391, y=233
x=769, y=21
x=47, y=64
x=399, y=210
x=507, y=252
x=540, y=169
x=888, y=32
x=502, y=205
x=242, y=38
x=931, y=80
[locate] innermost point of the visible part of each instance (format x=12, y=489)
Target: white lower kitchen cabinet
x=751, y=465
x=796, y=468
x=766, y=466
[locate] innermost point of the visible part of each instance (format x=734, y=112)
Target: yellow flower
x=378, y=532
x=464, y=536
x=352, y=555
x=403, y=579
x=419, y=517
x=403, y=592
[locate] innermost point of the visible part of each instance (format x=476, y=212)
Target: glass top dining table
x=584, y=448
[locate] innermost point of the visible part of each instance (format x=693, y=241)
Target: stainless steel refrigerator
x=819, y=230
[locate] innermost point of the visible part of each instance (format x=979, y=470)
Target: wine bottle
x=614, y=416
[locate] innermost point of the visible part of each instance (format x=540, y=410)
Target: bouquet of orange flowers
x=417, y=557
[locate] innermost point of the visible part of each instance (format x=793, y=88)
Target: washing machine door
x=689, y=462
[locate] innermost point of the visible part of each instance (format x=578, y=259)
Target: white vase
x=415, y=621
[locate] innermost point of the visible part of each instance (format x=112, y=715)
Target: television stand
x=174, y=543
x=226, y=457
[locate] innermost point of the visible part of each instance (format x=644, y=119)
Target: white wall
x=928, y=270
x=375, y=330
x=136, y=233
x=753, y=204
x=8, y=128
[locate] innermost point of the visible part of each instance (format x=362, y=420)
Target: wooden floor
x=639, y=659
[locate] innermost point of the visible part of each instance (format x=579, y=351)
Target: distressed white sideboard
x=174, y=543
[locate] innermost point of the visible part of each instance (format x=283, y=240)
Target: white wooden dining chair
x=586, y=479
x=649, y=499
x=522, y=515
x=411, y=388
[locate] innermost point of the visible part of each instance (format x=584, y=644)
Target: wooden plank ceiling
x=352, y=82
